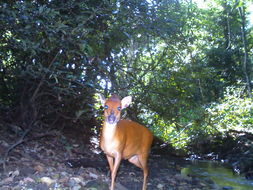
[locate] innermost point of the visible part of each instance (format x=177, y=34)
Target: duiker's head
x=113, y=106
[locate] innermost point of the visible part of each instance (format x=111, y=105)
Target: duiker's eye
x=106, y=107
x=119, y=108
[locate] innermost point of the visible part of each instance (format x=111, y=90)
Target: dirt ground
x=64, y=162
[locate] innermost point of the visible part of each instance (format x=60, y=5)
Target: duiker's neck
x=109, y=130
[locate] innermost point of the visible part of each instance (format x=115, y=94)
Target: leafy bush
x=205, y=126
x=48, y=70
x=233, y=112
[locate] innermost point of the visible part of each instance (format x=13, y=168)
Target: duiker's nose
x=111, y=119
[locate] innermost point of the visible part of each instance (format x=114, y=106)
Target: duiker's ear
x=125, y=102
x=102, y=99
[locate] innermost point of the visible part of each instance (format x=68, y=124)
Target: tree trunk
x=246, y=68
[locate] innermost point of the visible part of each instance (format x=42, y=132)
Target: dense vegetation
x=189, y=69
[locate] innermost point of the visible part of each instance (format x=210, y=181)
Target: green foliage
x=233, y=112
x=48, y=73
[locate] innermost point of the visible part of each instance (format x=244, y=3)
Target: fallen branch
x=20, y=141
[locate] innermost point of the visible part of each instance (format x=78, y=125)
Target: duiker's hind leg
x=141, y=162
